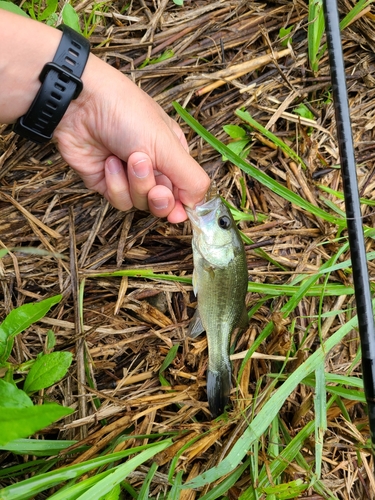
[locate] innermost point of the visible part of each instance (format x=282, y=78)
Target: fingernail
x=114, y=166
x=160, y=203
x=141, y=169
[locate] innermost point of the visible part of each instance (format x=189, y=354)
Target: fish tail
x=218, y=389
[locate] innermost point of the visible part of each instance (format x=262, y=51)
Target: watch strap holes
x=73, y=52
x=45, y=113
x=63, y=78
x=70, y=61
x=59, y=87
x=51, y=105
x=56, y=96
x=76, y=45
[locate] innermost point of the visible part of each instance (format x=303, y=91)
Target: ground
x=128, y=324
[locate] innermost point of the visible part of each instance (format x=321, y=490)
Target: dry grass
x=129, y=325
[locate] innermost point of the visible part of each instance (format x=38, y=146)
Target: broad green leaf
x=293, y=489
x=47, y=370
x=303, y=110
x=51, y=340
x=237, y=147
x=4, y=251
x=284, y=32
x=234, y=131
x=70, y=17
x=49, y=10
x=178, y=2
x=19, y=319
x=12, y=397
x=18, y=423
x=11, y=7
x=114, y=494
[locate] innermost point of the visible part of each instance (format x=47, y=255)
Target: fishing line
x=353, y=212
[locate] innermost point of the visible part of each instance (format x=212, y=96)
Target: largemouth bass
x=220, y=283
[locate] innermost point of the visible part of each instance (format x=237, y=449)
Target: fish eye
x=224, y=222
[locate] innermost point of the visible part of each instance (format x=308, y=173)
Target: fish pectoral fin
x=195, y=326
x=210, y=270
x=244, y=320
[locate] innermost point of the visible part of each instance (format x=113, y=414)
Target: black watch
x=61, y=83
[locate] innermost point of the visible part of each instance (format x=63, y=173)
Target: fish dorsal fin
x=195, y=326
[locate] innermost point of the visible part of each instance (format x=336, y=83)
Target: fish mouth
x=203, y=208
x=203, y=215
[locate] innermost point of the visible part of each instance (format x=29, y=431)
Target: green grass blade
x=34, y=485
x=246, y=117
x=320, y=400
x=281, y=462
x=355, y=11
x=315, y=31
x=74, y=491
x=340, y=195
x=25, y=468
x=221, y=488
x=119, y=473
x=144, y=491
x=256, y=174
x=261, y=288
x=39, y=447
x=167, y=361
x=264, y=418
x=174, y=493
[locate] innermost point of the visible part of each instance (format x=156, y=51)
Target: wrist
x=27, y=46
x=82, y=111
x=61, y=83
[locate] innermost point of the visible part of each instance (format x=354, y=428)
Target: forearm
x=26, y=46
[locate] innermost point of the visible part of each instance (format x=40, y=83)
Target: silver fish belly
x=220, y=283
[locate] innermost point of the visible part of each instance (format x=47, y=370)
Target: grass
x=265, y=445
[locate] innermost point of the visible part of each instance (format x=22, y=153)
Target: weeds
x=264, y=449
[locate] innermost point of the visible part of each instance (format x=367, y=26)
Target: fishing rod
x=353, y=211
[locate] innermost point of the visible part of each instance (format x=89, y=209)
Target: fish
x=220, y=281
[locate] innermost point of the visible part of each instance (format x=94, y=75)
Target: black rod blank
x=352, y=204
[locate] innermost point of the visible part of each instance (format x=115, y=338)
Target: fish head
x=215, y=234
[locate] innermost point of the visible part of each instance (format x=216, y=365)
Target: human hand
x=125, y=147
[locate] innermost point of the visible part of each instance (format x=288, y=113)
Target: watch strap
x=61, y=83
